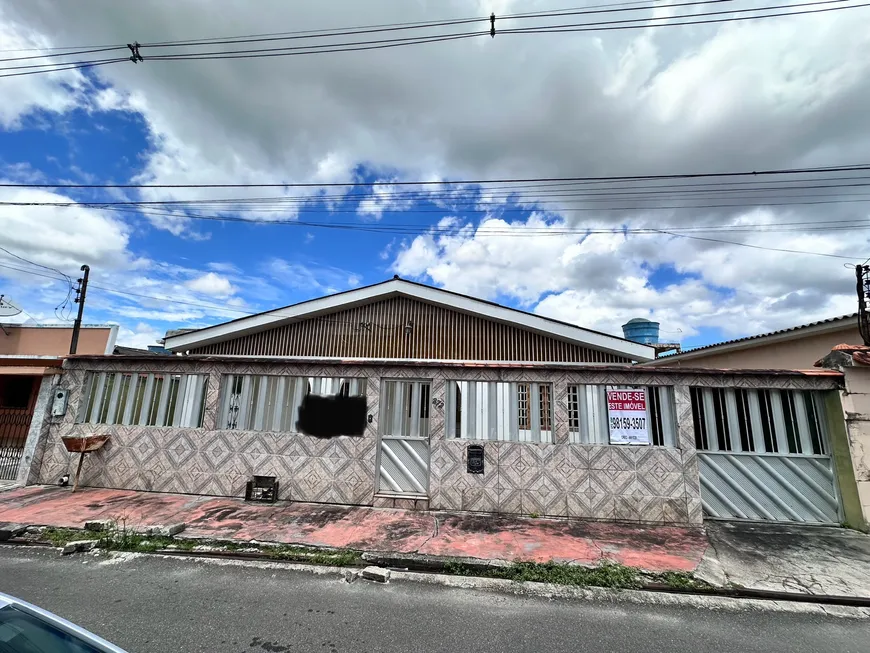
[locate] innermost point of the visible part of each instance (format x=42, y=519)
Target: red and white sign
x=626, y=412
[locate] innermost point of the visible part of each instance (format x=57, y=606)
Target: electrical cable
x=862, y=167
x=355, y=46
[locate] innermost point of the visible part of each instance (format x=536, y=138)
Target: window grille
x=760, y=421
x=587, y=415
x=143, y=399
x=271, y=403
x=488, y=410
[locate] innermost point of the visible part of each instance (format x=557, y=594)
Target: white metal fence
x=587, y=414
x=490, y=410
x=143, y=399
x=271, y=403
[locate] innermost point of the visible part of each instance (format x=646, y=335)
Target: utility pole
x=81, y=291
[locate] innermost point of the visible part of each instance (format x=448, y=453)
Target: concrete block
x=173, y=529
x=79, y=546
x=165, y=531
x=8, y=531
x=377, y=574
x=98, y=525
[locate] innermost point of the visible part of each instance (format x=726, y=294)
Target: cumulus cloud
x=781, y=93
x=212, y=284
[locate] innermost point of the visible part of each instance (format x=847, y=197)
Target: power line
x=343, y=31
x=76, y=66
x=587, y=28
x=355, y=46
x=311, y=34
x=467, y=182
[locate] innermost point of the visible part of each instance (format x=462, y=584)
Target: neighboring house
x=796, y=348
x=400, y=394
x=30, y=360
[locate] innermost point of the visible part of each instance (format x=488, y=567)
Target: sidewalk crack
x=433, y=535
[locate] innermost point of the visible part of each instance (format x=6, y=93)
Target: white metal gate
x=764, y=455
x=403, y=455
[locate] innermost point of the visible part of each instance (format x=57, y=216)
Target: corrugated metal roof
x=830, y=320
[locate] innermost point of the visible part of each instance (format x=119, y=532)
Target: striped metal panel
x=405, y=328
x=763, y=455
x=769, y=487
x=404, y=466
x=403, y=456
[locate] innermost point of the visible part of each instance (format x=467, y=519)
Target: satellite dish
x=8, y=308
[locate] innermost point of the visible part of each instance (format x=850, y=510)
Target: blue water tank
x=641, y=330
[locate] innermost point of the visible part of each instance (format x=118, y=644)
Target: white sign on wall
x=626, y=411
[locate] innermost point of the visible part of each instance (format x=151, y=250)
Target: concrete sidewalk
x=797, y=559
x=654, y=548
x=786, y=558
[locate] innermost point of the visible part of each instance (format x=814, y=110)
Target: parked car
x=24, y=628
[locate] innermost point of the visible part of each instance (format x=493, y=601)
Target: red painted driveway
x=655, y=548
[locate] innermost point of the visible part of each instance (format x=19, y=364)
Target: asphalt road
x=153, y=604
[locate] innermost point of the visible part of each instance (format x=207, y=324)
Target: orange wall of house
x=791, y=354
x=51, y=342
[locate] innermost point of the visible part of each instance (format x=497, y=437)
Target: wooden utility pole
x=77, y=325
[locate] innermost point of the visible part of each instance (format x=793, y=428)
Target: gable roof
x=395, y=287
x=761, y=339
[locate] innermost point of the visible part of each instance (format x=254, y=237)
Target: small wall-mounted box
x=474, y=459
x=58, y=406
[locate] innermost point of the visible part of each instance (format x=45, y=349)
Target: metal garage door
x=764, y=455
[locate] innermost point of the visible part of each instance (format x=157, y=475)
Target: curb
x=421, y=566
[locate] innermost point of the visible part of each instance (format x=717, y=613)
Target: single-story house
x=31, y=356
x=795, y=348
x=399, y=394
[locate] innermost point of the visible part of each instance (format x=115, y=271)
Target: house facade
x=795, y=348
x=403, y=395
x=31, y=356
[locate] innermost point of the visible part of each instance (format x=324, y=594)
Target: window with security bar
x=494, y=410
x=252, y=402
x=587, y=414
x=759, y=421
x=405, y=409
x=143, y=399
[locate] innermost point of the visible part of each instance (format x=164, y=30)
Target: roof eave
x=462, y=303
x=756, y=341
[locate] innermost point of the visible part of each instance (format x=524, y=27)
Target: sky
x=781, y=93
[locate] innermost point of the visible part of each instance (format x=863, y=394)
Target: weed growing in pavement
x=338, y=558
x=60, y=536
x=607, y=574
x=679, y=580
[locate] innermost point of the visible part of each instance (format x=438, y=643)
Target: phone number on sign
x=628, y=422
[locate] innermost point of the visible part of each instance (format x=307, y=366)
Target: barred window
x=488, y=410
x=143, y=399
x=587, y=415
x=760, y=421
x=271, y=403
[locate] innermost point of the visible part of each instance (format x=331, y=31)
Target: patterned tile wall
x=651, y=484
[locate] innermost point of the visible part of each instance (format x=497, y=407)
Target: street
x=153, y=604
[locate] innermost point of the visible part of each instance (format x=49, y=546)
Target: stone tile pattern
x=650, y=484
